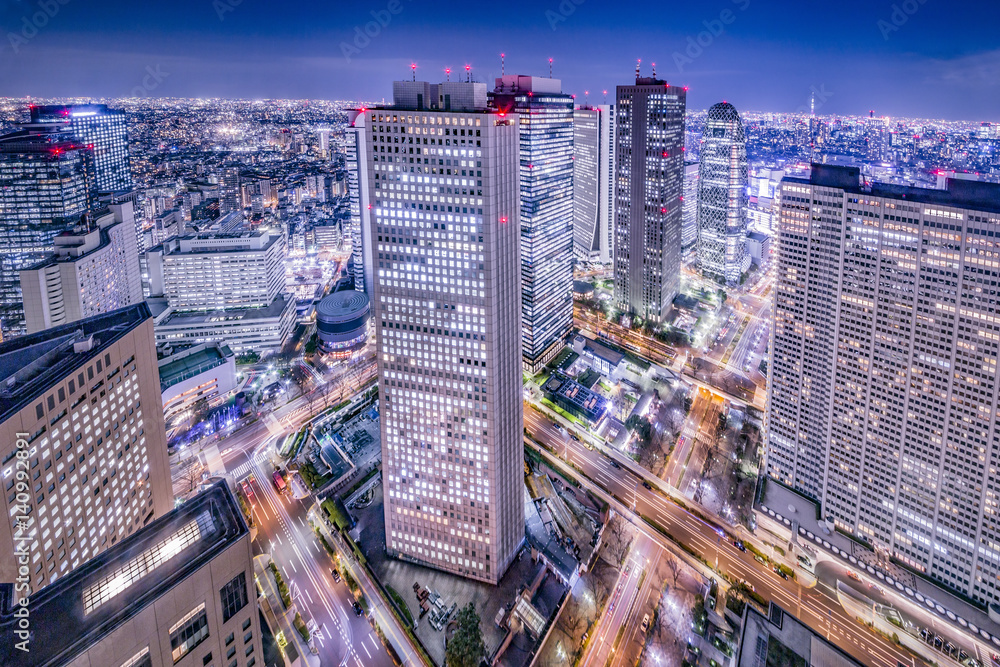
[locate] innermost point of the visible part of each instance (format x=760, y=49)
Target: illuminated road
x=814, y=606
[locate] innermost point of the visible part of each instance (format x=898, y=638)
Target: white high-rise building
x=689, y=226
x=883, y=384
x=649, y=188
x=443, y=177
x=593, y=187
x=225, y=288
x=94, y=270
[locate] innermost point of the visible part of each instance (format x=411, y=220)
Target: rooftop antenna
x=586, y=98
x=654, y=70
x=501, y=65
x=413, y=70
x=605, y=97
x=468, y=75
x=550, y=68
x=447, y=71
x=638, y=62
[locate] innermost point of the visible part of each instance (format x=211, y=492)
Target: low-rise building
x=202, y=372
x=759, y=245
x=781, y=639
x=576, y=399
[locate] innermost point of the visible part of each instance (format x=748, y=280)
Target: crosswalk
x=243, y=470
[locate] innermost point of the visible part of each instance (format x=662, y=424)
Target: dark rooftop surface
x=61, y=630
x=961, y=193
x=29, y=365
x=183, y=366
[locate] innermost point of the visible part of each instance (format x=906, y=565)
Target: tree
x=466, y=647
x=619, y=539
x=192, y=476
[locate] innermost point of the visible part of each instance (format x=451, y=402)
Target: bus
x=279, y=481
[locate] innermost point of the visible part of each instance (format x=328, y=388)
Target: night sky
x=918, y=58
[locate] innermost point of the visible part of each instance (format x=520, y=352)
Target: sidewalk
x=786, y=514
x=384, y=617
x=297, y=653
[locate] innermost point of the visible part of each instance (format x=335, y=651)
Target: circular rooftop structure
x=342, y=321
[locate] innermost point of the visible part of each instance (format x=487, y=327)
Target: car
x=357, y=608
x=739, y=545
x=778, y=571
x=646, y=485
x=575, y=436
x=851, y=574
x=557, y=427
x=615, y=464
x=645, y=622
x=336, y=575
x=747, y=585
x=759, y=560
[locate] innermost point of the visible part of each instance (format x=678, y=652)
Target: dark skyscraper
x=106, y=130
x=47, y=184
x=546, y=125
x=722, y=197
x=649, y=168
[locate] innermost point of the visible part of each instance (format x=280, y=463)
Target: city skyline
x=858, y=56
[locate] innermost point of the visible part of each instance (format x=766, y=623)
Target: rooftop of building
x=780, y=634
x=95, y=599
x=192, y=361
x=613, y=357
x=343, y=306
x=30, y=365
x=232, y=316
x=758, y=236
x=592, y=405
x=961, y=193
x=45, y=111
x=40, y=138
x=582, y=287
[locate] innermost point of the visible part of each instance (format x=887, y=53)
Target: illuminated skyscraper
x=47, y=184
x=649, y=168
x=593, y=182
x=722, y=197
x=883, y=383
x=103, y=129
x=546, y=124
x=689, y=226
x=356, y=162
x=443, y=183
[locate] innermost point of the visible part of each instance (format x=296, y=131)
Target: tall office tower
x=104, y=129
x=225, y=288
x=883, y=387
x=47, y=184
x=722, y=197
x=356, y=161
x=689, y=225
x=443, y=178
x=178, y=592
x=229, y=189
x=546, y=123
x=94, y=270
x=593, y=191
x=82, y=403
x=876, y=138
x=649, y=163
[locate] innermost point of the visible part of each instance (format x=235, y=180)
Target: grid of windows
x=118, y=581
x=140, y=659
x=233, y=596
x=188, y=632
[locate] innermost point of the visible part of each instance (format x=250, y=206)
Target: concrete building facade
x=883, y=384
x=444, y=188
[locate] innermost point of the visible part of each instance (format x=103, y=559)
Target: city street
x=817, y=607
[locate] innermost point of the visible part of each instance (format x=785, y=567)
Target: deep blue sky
x=942, y=62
